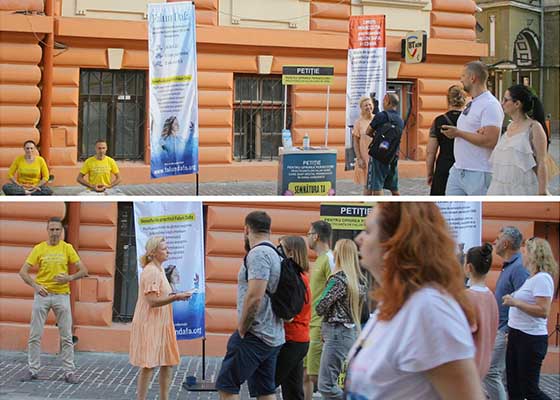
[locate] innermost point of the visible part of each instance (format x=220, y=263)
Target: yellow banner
x=310, y=188
x=172, y=79
x=167, y=219
x=307, y=79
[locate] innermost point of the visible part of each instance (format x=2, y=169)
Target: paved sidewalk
x=108, y=376
x=411, y=187
x=344, y=187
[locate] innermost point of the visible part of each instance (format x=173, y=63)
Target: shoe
x=70, y=378
x=29, y=376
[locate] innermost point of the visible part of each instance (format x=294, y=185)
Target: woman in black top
x=456, y=98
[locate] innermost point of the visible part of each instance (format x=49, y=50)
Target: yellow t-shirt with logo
x=99, y=171
x=29, y=174
x=52, y=260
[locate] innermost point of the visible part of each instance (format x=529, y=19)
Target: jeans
x=60, y=304
x=289, y=369
x=248, y=359
x=525, y=354
x=494, y=378
x=463, y=182
x=338, y=340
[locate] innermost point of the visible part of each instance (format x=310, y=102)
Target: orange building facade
x=48, y=61
x=97, y=230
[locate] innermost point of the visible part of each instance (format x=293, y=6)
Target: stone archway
x=526, y=49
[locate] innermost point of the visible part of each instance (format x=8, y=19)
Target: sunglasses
x=467, y=108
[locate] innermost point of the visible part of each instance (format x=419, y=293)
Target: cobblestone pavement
x=108, y=376
x=344, y=187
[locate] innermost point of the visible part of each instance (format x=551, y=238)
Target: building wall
x=552, y=66
x=222, y=52
x=91, y=227
x=512, y=19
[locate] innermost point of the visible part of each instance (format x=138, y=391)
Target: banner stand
x=202, y=386
x=327, y=118
x=196, y=184
x=285, y=104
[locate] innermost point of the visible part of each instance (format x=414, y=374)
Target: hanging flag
x=180, y=223
x=366, y=71
x=173, y=89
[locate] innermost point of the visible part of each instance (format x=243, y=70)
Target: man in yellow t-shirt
x=318, y=240
x=99, y=169
x=52, y=291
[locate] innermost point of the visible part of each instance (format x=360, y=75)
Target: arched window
x=526, y=49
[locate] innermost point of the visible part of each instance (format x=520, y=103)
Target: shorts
x=248, y=359
x=463, y=182
x=312, y=360
x=383, y=176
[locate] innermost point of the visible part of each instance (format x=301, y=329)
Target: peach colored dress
x=153, y=341
x=359, y=131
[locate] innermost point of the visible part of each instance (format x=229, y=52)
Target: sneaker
x=70, y=378
x=28, y=376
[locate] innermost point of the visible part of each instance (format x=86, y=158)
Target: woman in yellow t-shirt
x=28, y=174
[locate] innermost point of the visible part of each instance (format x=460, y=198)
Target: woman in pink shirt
x=478, y=262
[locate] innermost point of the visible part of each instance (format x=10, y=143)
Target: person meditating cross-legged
x=99, y=169
x=28, y=174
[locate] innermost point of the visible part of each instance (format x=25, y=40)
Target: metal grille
x=112, y=107
x=126, y=276
x=259, y=117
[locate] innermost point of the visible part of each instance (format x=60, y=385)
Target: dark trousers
x=524, y=356
x=11, y=189
x=289, y=369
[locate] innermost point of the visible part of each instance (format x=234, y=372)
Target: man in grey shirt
x=253, y=348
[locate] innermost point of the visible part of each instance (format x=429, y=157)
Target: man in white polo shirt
x=476, y=134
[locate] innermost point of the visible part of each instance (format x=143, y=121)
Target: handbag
x=552, y=168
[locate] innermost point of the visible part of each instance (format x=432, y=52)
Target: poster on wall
x=464, y=219
x=173, y=89
x=180, y=223
x=366, y=72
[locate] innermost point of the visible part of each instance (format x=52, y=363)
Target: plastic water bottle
x=306, y=141
x=286, y=139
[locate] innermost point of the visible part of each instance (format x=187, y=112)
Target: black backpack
x=290, y=295
x=386, y=141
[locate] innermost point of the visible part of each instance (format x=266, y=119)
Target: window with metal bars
x=259, y=117
x=112, y=107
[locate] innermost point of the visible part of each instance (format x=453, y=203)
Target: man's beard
x=247, y=244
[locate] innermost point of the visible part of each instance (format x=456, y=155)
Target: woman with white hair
x=152, y=338
x=361, y=143
x=528, y=313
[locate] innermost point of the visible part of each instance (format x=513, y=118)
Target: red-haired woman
x=418, y=344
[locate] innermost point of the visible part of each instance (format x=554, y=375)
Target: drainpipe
x=46, y=90
x=73, y=237
x=541, y=69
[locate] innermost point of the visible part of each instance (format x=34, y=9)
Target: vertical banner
x=180, y=223
x=173, y=89
x=366, y=71
x=464, y=219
